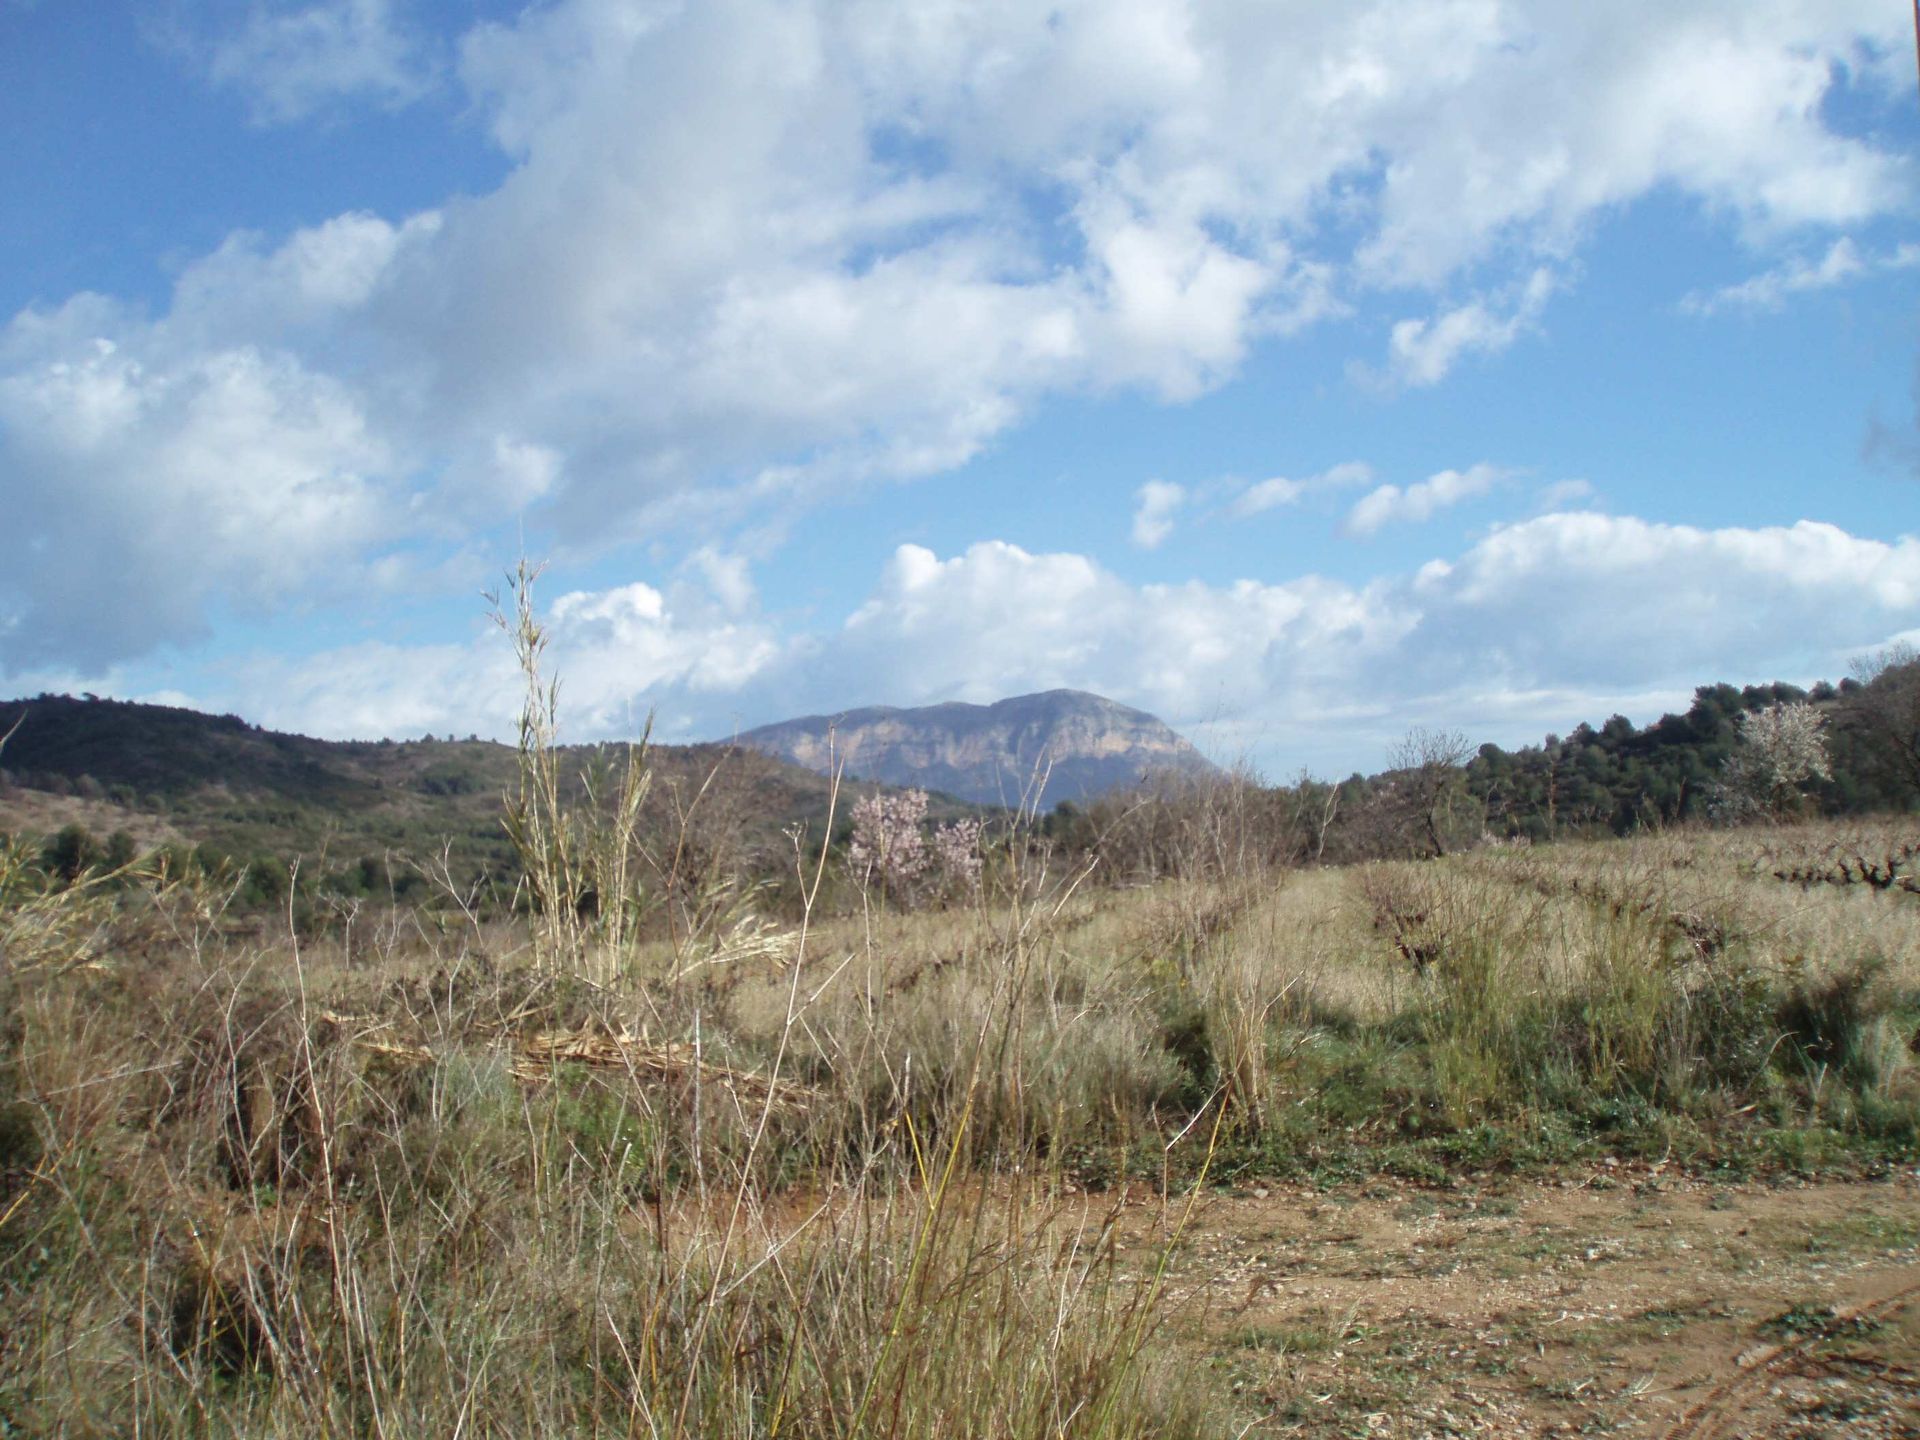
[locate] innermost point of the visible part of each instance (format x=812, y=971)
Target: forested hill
x=353, y=810
x=1845, y=749
x=1619, y=777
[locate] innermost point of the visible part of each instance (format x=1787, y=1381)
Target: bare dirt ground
x=1622, y=1302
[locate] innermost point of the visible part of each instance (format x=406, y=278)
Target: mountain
x=1082, y=745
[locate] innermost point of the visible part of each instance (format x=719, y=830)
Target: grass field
x=946, y=1172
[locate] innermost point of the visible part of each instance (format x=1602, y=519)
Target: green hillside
x=360, y=817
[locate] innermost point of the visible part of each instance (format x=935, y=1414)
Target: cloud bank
x=1536, y=626
x=753, y=256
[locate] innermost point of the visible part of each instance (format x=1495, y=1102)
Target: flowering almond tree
x=891, y=849
x=888, y=847
x=1781, y=748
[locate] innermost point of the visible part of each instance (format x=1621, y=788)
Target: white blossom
x=956, y=848
x=1781, y=748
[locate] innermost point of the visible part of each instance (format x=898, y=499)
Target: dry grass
x=430, y=1181
x=461, y=1193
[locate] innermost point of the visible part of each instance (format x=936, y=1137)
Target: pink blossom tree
x=888, y=847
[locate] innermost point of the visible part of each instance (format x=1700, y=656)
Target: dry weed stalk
x=579, y=857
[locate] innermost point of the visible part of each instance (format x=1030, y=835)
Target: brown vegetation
x=804, y=1160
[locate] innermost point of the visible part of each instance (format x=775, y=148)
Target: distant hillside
x=1083, y=745
x=1621, y=777
x=167, y=774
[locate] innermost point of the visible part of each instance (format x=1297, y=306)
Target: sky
x=1301, y=371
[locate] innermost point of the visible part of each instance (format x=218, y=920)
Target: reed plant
x=576, y=835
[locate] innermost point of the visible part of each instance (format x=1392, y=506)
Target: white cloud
x=1609, y=601
x=1564, y=495
x=315, y=281
x=1843, y=263
x=1390, y=504
x=293, y=60
x=615, y=652
x=1155, y=504
x=1174, y=305
x=523, y=472
x=728, y=578
x=1702, y=97
x=1421, y=352
x=750, y=254
x=1269, y=494
x=997, y=620
x=145, y=485
x=1536, y=627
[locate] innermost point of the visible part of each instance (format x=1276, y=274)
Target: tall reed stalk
x=576, y=836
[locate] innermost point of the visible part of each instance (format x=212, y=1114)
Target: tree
x=122, y=850
x=888, y=846
x=1316, y=806
x=1884, y=706
x=891, y=847
x=957, y=854
x=70, y=853
x=1430, y=784
x=1781, y=748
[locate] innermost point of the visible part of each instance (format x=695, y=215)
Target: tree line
x=1736, y=754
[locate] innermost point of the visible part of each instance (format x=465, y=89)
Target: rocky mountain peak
x=1070, y=744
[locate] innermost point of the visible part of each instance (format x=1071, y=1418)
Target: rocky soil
x=1621, y=1302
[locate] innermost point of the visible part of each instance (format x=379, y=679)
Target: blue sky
x=1299, y=372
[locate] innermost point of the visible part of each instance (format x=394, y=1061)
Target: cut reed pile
x=535, y=1058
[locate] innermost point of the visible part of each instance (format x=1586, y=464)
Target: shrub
x=1845, y=1021
x=888, y=848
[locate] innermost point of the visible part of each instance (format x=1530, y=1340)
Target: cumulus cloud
x=1536, y=626
x=1502, y=639
x=1564, y=494
x=231, y=474
x=728, y=579
x=1618, y=601
x=997, y=620
x=751, y=254
x=1422, y=351
x=193, y=463
x=616, y=652
x=1419, y=502
x=319, y=281
x=1155, y=504
x=1843, y=263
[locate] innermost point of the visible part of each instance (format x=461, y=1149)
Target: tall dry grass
x=465, y=1192
x=555, y=1177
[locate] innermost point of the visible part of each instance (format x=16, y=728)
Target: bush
x=1845, y=1021
x=71, y=853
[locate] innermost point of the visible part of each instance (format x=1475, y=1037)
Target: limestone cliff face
x=1074, y=745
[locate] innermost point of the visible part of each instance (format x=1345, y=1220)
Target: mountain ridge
x=1036, y=749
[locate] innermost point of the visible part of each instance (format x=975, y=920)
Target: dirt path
x=1624, y=1302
